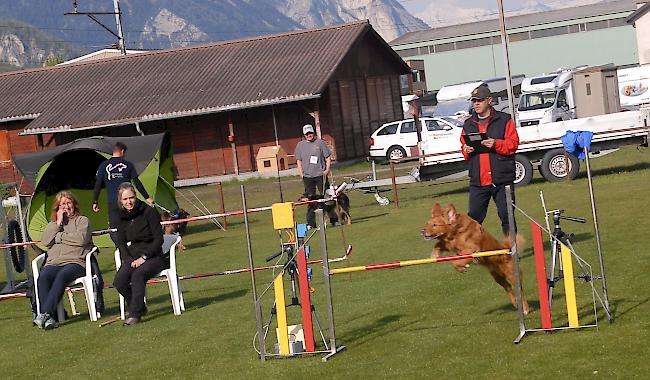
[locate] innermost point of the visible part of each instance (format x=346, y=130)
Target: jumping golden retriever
x=463, y=235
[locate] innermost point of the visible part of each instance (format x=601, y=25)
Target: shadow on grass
x=373, y=330
x=368, y=217
x=194, y=304
x=615, y=305
x=615, y=169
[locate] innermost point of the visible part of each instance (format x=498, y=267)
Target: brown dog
x=460, y=233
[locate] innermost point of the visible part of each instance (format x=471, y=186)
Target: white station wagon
x=394, y=140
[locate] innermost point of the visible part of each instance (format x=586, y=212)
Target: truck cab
x=546, y=99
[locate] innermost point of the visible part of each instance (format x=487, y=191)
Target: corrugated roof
x=179, y=82
x=512, y=22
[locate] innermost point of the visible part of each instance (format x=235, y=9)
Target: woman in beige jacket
x=68, y=238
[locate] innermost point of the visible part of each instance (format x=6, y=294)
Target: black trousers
x=131, y=282
x=113, y=219
x=314, y=187
x=479, y=199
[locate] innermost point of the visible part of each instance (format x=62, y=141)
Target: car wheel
x=523, y=170
x=555, y=166
x=395, y=153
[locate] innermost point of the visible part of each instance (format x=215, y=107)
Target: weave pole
x=406, y=263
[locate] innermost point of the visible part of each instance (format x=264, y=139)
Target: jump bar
x=406, y=263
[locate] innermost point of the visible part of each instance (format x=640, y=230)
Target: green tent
x=73, y=166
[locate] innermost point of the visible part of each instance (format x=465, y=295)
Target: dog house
x=271, y=159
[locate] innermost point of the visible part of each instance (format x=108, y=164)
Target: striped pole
x=400, y=264
x=540, y=267
x=569, y=287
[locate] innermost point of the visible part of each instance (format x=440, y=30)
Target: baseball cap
x=481, y=92
x=307, y=128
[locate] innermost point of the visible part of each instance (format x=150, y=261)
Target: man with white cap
x=314, y=159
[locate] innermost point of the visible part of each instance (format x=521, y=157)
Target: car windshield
x=453, y=107
x=536, y=101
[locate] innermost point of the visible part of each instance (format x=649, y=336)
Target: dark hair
x=119, y=146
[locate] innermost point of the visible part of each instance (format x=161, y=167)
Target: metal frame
x=257, y=301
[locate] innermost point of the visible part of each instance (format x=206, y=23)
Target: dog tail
x=519, y=239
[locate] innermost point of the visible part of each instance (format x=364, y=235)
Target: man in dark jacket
x=112, y=173
x=491, y=156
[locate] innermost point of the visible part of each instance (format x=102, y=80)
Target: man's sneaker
x=40, y=320
x=50, y=323
x=131, y=321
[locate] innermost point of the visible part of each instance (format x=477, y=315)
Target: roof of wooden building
x=182, y=82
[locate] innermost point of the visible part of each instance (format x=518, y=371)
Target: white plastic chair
x=170, y=241
x=86, y=281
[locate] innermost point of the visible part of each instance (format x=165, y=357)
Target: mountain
x=22, y=45
x=159, y=24
x=439, y=14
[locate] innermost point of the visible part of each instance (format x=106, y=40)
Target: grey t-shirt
x=312, y=156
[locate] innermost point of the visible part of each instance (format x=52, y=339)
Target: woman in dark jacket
x=143, y=259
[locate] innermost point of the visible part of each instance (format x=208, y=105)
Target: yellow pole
x=280, y=307
x=406, y=263
x=569, y=287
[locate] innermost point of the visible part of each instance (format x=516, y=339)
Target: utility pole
x=93, y=16
x=506, y=58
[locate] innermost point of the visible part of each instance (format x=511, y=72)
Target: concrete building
x=640, y=19
x=539, y=43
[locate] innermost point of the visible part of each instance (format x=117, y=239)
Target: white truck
x=546, y=99
x=453, y=100
x=540, y=146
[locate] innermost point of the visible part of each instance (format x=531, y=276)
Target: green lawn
x=418, y=322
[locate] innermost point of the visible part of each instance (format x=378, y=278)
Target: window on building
x=408, y=52
x=496, y=40
x=514, y=37
x=548, y=32
x=574, y=28
x=473, y=43
x=445, y=47
x=407, y=127
x=595, y=25
x=424, y=50
x=617, y=22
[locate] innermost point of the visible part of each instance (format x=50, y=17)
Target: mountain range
x=33, y=30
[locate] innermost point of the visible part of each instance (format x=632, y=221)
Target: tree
x=53, y=60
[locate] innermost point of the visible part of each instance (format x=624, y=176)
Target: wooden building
x=219, y=103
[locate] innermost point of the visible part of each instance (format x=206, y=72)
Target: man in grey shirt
x=314, y=159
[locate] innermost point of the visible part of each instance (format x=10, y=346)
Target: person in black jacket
x=113, y=172
x=143, y=259
x=492, y=162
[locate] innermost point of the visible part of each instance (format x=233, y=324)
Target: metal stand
x=291, y=268
x=251, y=266
x=320, y=220
x=515, y=257
x=558, y=237
x=601, y=262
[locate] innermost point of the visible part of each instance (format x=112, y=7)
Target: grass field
x=418, y=322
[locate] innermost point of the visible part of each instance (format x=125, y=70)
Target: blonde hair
x=124, y=186
x=57, y=201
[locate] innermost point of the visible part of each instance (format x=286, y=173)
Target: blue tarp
x=575, y=142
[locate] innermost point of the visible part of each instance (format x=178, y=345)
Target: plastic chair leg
x=122, y=314
x=90, y=298
x=173, y=293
